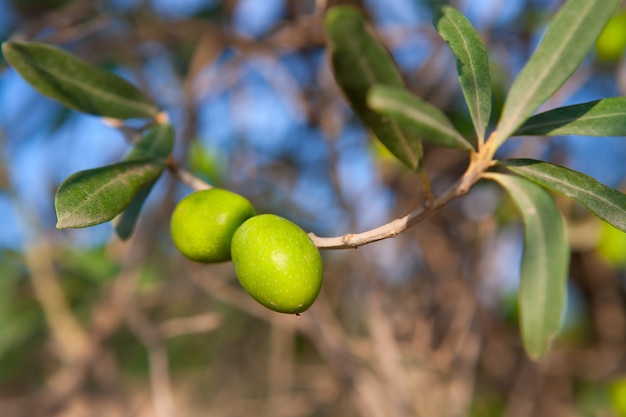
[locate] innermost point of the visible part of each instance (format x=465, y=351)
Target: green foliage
x=570, y=35
x=75, y=83
x=359, y=61
x=158, y=142
x=472, y=64
x=605, y=202
x=412, y=112
x=606, y=117
x=97, y=195
x=544, y=263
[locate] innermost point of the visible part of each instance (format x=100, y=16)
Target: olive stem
x=186, y=177
x=479, y=163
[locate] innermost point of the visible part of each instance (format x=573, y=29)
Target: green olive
x=277, y=263
x=203, y=224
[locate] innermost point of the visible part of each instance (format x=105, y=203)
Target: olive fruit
x=203, y=223
x=611, y=43
x=277, y=263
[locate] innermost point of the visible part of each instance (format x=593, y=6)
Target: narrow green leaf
x=544, y=263
x=606, y=117
x=75, y=83
x=126, y=221
x=95, y=196
x=605, y=202
x=570, y=35
x=413, y=112
x=359, y=61
x=158, y=142
x=472, y=64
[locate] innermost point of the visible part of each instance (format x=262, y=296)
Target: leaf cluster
x=95, y=196
x=363, y=72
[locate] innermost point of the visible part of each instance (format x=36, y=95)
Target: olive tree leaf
x=358, y=61
x=158, y=142
x=94, y=196
x=472, y=64
x=126, y=221
x=544, y=262
x=413, y=112
x=606, y=117
x=569, y=36
x=75, y=83
x=605, y=202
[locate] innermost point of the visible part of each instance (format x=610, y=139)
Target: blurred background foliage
x=420, y=325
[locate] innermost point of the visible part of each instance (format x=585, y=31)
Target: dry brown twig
x=153, y=340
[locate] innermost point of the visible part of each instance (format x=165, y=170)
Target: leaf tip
x=61, y=224
x=537, y=355
x=538, y=349
x=8, y=48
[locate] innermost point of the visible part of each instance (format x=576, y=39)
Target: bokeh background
x=424, y=324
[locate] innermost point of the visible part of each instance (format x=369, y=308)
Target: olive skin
x=277, y=263
x=203, y=224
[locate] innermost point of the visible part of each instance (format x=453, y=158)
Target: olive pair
x=275, y=260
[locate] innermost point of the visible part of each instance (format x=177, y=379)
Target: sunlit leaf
x=544, y=263
x=157, y=143
x=472, y=64
x=98, y=195
x=76, y=83
x=605, y=202
x=570, y=35
x=359, y=61
x=606, y=117
x=412, y=112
